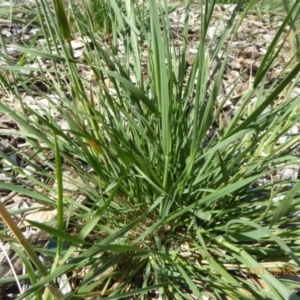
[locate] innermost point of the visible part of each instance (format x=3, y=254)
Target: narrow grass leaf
x=58, y=233
x=277, y=239
x=190, y=283
x=285, y=204
x=62, y=20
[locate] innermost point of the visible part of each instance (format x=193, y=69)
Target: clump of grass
x=186, y=217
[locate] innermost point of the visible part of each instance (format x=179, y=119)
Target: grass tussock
x=174, y=200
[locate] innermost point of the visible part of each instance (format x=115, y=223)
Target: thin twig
x=5, y=199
